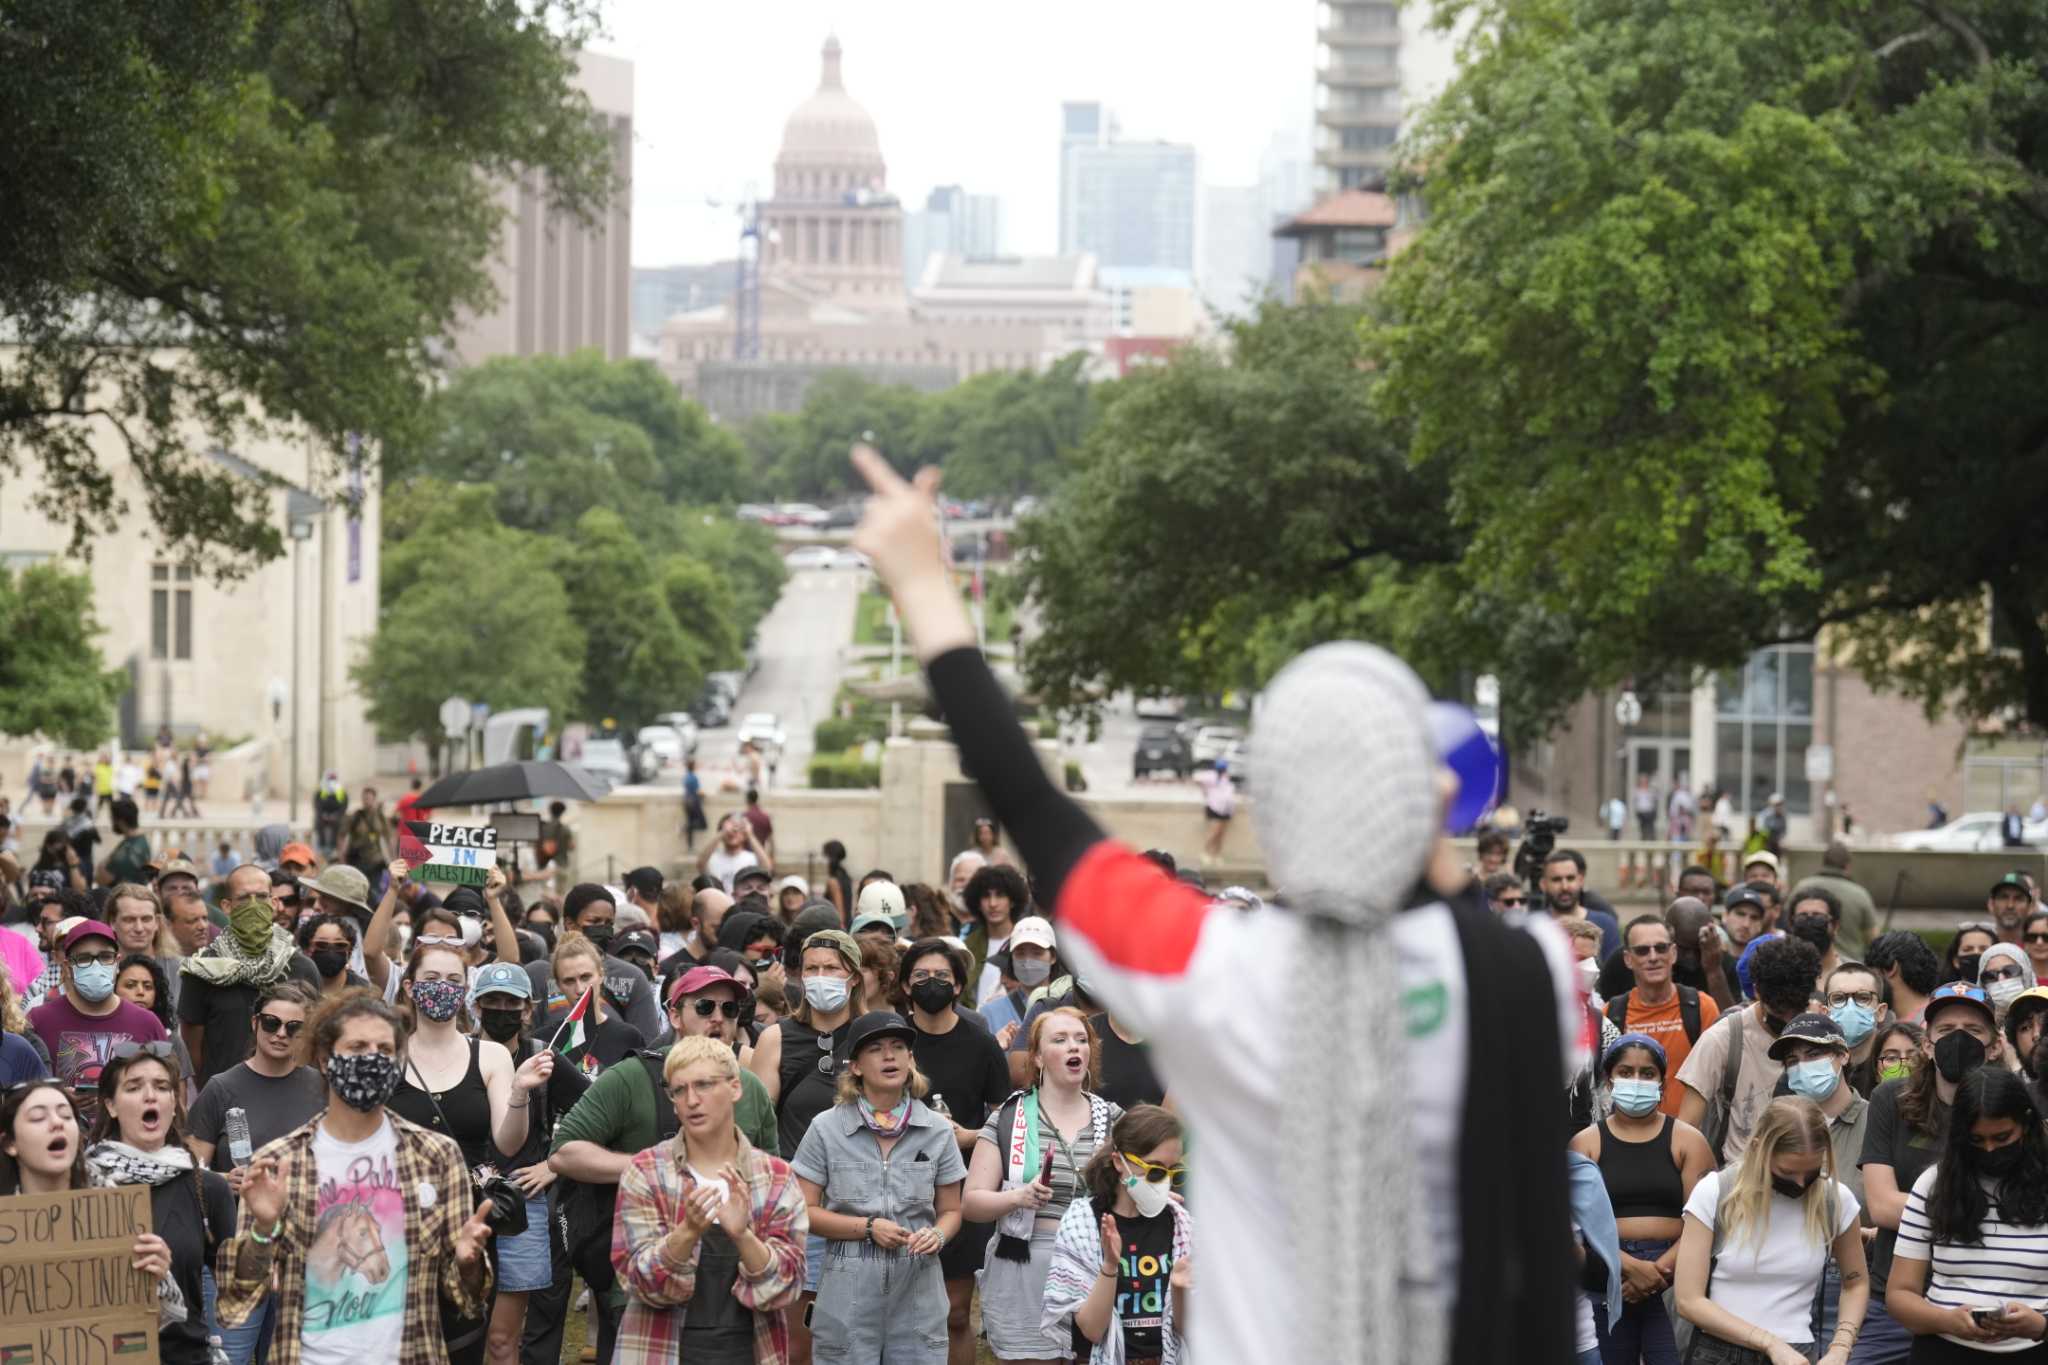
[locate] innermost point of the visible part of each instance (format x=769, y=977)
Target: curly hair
x=1785, y=971
x=997, y=877
x=1918, y=967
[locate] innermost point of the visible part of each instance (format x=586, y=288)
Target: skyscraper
x=952, y=223
x=1358, y=91
x=1129, y=203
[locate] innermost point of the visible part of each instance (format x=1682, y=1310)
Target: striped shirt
x=2010, y=1266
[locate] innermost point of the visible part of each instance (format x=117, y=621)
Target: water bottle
x=236, y=1126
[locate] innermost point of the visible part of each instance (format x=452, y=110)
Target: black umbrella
x=514, y=782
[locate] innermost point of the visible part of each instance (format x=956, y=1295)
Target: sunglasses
x=163, y=1052
x=706, y=1008
x=2035, y=938
x=270, y=1023
x=438, y=941
x=1511, y=901
x=2004, y=973
x=1650, y=949
x=1154, y=1174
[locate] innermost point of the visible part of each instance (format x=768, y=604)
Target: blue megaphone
x=1466, y=750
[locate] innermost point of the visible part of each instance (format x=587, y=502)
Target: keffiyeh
x=116, y=1163
x=225, y=962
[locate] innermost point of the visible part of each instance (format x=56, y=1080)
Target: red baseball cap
x=700, y=979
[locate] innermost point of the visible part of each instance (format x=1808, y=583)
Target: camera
x=1539, y=837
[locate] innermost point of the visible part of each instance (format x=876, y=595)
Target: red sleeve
x=1131, y=911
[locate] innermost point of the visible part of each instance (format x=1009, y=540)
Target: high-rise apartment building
x=952, y=223
x=564, y=285
x=1128, y=203
x=1358, y=91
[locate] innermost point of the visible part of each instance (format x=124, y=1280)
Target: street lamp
x=300, y=510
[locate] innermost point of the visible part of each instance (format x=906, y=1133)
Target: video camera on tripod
x=1539, y=837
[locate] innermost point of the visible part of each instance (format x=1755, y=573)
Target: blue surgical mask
x=826, y=993
x=1636, y=1097
x=1855, y=1021
x=1816, y=1080
x=94, y=981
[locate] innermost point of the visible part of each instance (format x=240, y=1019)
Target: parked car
x=1161, y=749
x=710, y=710
x=1978, y=831
x=761, y=727
x=1214, y=741
x=1168, y=709
x=850, y=559
x=608, y=758
x=726, y=684
x=685, y=726
x=662, y=747
x=844, y=518
x=811, y=557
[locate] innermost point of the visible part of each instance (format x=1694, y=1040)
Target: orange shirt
x=1663, y=1023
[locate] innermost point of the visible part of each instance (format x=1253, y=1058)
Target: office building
x=952, y=222
x=661, y=292
x=1128, y=204
x=1358, y=92
x=564, y=285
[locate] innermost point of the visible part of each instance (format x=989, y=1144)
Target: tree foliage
x=51, y=679
x=223, y=219
x=637, y=661
x=1728, y=330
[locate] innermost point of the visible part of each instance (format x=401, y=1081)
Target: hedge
x=836, y=734
x=844, y=770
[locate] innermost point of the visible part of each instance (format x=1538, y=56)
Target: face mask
x=94, y=982
x=250, y=922
x=362, y=1080
x=2002, y=1161
x=1589, y=975
x=1819, y=932
x=1149, y=1195
x=437, y=1000
x=329, y=961
x=1636, y=1097
x=2003, y=993
x=1966, y=967
x=1956, y=1055
x=826, y=993
x=1897, y=1071
x=1791, y=1189
x=499, y=1025
x=1032, y=973
x=1816, y=1079
x=599, y=934
x=932, y=996
x=1855, y=1021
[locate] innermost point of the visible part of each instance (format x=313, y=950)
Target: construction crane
x=746, y=295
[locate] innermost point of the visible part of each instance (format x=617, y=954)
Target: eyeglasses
x=917, y=978
x=1154, y=1174
x=706, y=1008
x=1894, y=1057
x=270, y=1023
x=1651, y=949
x=105, y=959
x=1867, y=999
x=2003, y=972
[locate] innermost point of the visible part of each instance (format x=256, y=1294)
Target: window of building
x=1762, y=728
x=170, y=611
x=1365, y=139
x=1360, y=246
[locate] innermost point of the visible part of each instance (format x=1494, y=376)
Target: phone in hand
x=1045, y=1171
x=1986, y=1318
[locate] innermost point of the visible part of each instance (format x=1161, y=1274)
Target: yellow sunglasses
x=1155, y=1174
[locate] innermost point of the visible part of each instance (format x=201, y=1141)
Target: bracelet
x=510, y=1105
x=263, y=1240
x=871, y=1232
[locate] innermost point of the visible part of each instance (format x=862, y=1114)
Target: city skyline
x=1001, y=137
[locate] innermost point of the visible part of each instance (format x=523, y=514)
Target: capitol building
x=832, y=289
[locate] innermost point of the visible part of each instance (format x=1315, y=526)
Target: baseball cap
x=841, y=942
x=793, y=882
x=1808, y=1028
x=884, y=899
x=1740, y=894
x=177, y=867
x=84, y=929
x=502, y=978
x=1953, y=991
x=699, y=979
x=872, y=920
x=2013, y=880
x=2028, y=1003
x=750, y=874
x=298, y=853
x=636, y=941
x=876, y=1024
x=1762, y=855
x=1034, y=931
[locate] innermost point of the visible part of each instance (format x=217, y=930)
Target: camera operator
x=1559, y=875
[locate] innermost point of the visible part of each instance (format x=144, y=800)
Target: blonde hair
x=848, y=1087
x=574, y=944
x=1038, y=1027
x=1793, y=1125
x=856, y=988
x=165, y=945
x=690, y=1051
x=11, y=1018
x=1581, y=928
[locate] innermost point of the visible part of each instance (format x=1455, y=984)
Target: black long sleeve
x=1050, y=830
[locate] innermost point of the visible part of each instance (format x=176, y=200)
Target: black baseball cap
x=877, y=1024
x=2012, y=881
x=1740, y=894
x=636, y=941
x=749, y=874
x=646, y=880
x=1808, y=1028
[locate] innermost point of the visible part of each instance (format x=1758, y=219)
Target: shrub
x=844, y=770
x=837, y=734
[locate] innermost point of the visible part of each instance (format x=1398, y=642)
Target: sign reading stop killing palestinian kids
x=459, y=855
x=69, y=1290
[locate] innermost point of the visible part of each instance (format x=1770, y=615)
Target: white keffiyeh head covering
x=1347, y=811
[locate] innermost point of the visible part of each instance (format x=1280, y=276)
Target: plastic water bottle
x=236, y=1126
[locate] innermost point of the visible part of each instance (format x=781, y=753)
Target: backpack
x=582, y=1225
x=1721, y=1104
x=1688, y=1012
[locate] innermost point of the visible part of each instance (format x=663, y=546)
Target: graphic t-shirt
x=1666, y=1023
x=80, y=1044
x=356, y=1267
x=1141, y=1281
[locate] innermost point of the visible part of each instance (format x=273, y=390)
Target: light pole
x=300, y=509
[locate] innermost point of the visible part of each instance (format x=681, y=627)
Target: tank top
x=467, y=1105
x=810, y=1078
x=1642, y=1177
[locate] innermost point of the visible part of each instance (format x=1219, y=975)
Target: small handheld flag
x=570, y=1036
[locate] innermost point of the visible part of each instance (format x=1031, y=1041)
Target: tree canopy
x=51, y=679
x=224, y=218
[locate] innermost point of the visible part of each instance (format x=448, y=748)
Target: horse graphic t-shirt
x=355, y=1268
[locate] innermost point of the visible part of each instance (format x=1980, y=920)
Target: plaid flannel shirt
x=651, y=1193
x=423, y=1157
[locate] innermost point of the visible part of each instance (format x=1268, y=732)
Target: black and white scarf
x=117, y=1163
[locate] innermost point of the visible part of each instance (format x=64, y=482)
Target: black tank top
x=810, y=1079
x=467, y=1104
x=1642, y=1177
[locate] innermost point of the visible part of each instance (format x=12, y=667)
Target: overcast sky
x=962, y=91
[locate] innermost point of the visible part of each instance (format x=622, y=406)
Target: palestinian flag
x=411, y=848
x=571, y=1036
x=130, y=1343
x=17, y=1353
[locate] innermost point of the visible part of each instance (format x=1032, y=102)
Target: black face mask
x=1956, y=1055
x=1791, y=1189
x=329, y=962
x=1966, y=967
x=1997, y=1163
x=1819, y=932
x=500, y=1025
x=599, y=934
x=932, y=996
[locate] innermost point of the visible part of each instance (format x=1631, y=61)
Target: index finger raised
x=881, y=476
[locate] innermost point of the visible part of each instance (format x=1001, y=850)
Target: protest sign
x=69, y=1290
x=460, y=855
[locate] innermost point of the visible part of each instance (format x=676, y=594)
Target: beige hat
x=1764, y=856
x=883, y=898
x=1034, y=931
x=343, y=883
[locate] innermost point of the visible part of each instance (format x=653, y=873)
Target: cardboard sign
x=69, y=1290
x=459, y=855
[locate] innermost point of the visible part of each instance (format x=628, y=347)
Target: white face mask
x=2003, y=993
x=1149, y=1195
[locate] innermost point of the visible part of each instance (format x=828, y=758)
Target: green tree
x=52, y=681
x=810, y=453
x=637, y=661
x=224, y=219
x=486, y=623
x=1005, y=432
x=701, y=600
x=1725, y=331
x=742, y=553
